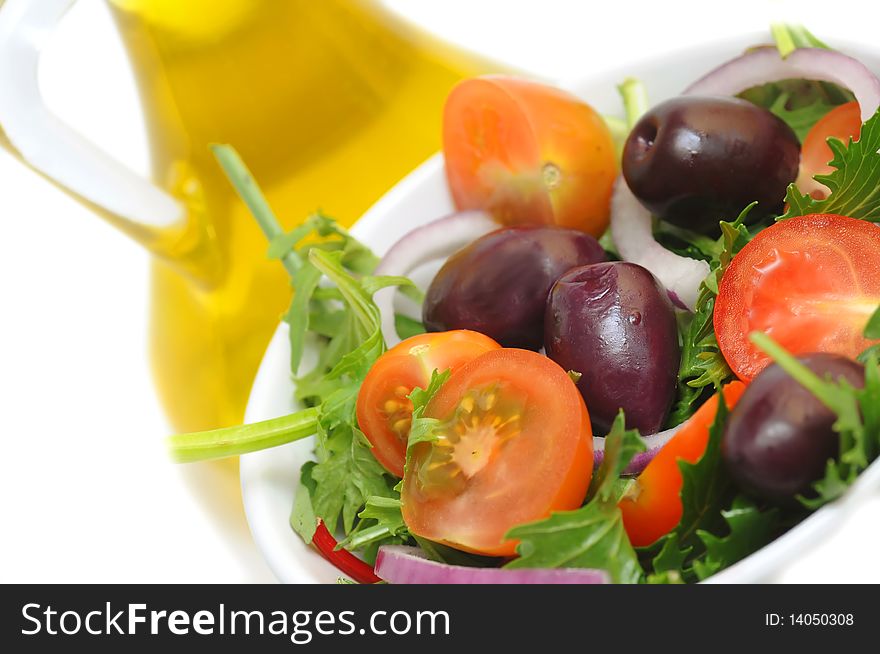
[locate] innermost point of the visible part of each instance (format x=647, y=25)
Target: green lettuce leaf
x=346, y=485
x=705, y=485
x=302, y=516
x=703, y=367
x=592, y=536
x=872, y=329
x=854, y=184
x=379, y=523
x=800, y=119
x=749, y=530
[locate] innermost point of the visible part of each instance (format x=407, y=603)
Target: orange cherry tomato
x=841, y=123
x=384, y=412
x=652, y=506
x=513, y=444
x=528, y=153
x=810, y=282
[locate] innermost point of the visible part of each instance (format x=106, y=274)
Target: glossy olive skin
x=613, y=323
x=498, y=284
x=695, y=160
x=779, y=437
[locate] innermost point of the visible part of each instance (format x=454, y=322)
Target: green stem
x=617, y=126
x=241, y=439
x=783, y=38
x=635, y=100
x=703, y=243
x=789, y=38
x=619, y=131
x=250, y=193
x=351, y=292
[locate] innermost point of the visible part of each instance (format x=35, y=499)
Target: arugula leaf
x=347, y=474
x=422, y=429
x=379, y=523
x=407, y=327
x=346, y=484
x=872, y=329
x=749, y=530
x=592, y=536
x=381, y=520
x=302, y=516
x=855, y=184
x=702, y=365
x=800, y=103
x=800, y=119
x=669, y=558
x=704, y=485
x=858, y=419
x=873, y=351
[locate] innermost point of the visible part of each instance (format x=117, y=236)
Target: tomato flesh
x=652, y=507
x=384, y=412
x=843, y=122
x=528, y=153
x=513, y=444
x=810, y=282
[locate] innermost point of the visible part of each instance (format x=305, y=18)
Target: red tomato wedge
x=843, y=122
x=514, y=443
x=528, y=153
x=384, y=412
x=652, y=506
x=810, y=282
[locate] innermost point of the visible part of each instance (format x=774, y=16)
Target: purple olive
x=498, y=284
x=695, y=160
x=614, y=324
x=779, y=437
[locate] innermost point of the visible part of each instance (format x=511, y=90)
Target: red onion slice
x=655, y=443
x=436, y=240
x=631, y=222
x=634, y=239
x=765, y=65
x=398, y=564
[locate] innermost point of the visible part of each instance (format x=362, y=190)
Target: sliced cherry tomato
x=809, y=282
x=528, y=153
x=514, y=443
x=841, y=123
x=652, y=506
x=384, y=412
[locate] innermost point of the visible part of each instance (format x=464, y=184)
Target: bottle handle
x=55, y=150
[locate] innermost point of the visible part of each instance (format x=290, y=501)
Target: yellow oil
x=330, y=102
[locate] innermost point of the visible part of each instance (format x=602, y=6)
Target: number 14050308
x=809, y=619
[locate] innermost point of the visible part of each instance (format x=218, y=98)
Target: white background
x=85, y=491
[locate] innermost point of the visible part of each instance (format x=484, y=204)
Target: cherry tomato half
x=528, y=153
x=652, y=507
x=810, y=282
x=841, y=123
x=514, y=443
x=384, y=412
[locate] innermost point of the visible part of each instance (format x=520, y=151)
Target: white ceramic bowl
x=269, y=479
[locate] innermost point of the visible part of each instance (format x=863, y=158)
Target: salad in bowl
x=594, y=349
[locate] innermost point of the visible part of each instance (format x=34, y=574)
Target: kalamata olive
x=614, y=324
x=779, y=437
x=498, y=284
x=695, y=160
